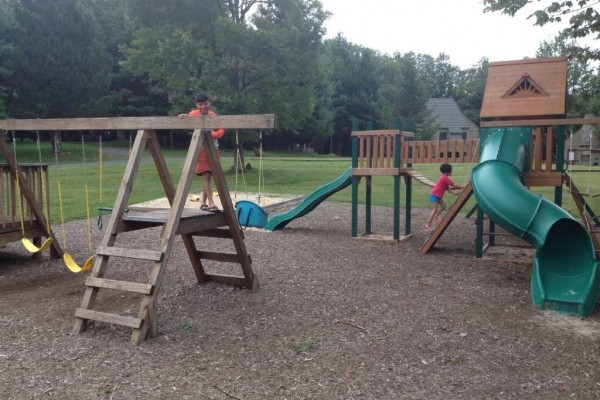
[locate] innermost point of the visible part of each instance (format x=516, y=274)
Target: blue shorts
x=434, y=199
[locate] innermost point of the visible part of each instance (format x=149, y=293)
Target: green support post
x=560, y=162
x=354, y=227
x=479, y=239
x=397, y=183
x=369, y=193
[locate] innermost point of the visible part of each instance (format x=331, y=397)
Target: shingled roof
x=448, y=116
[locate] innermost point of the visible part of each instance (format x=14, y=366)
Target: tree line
x=99, y=58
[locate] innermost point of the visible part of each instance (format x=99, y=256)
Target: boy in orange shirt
x=202, y=103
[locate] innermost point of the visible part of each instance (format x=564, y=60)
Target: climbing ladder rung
x=228, y=279
x=222, y=257
x=130, y=253
x=217, y=233
x=132, y=287
x=130, y=322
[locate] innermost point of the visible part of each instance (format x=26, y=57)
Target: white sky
x=458, y=28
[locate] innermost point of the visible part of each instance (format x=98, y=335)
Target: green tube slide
x=565, y=273
x=311, y=201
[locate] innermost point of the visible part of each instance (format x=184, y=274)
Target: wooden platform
x=270, y=203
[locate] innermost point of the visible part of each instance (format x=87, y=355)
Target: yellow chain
x=62, y=215
x=100, y=173
x=19, y=200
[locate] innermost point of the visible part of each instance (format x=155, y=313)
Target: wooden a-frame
x=174, y=221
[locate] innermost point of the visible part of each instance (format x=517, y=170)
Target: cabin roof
x=526, y=88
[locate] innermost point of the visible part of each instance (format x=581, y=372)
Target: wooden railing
x=546, y=155
x=375, y=152
x=440, y=151
x=386, y=152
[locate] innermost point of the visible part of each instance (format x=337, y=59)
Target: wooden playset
x=528, y=93
x=175, y=221
x=393, y=153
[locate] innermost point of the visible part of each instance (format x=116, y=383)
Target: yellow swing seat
x=74, y=267
x=32, y=248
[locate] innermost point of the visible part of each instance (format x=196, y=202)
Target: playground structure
x=174, y=221
x=522, y=145
x=392, y=153
x=374, y=153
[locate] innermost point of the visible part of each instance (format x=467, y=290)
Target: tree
x=61, y=67
x=583, y=18
x=7, y=51
x=413, y=92
x=238, y=10
x=470, y=88
x=583, y=83
x=438, y=73
x=356, y=84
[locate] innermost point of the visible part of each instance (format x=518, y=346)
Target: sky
x=458, y=28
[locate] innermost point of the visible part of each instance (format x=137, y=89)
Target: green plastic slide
x=565, y=273
x=310, y=202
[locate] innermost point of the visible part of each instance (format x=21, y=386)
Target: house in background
x=584, y=145
x=451, y=122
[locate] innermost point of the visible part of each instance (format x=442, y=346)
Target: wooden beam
x=540, y=122
x=543, y=178
x=259, y=121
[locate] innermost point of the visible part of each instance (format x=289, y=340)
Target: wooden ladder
x=439, y=230
x=174, y=221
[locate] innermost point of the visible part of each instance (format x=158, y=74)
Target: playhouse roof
x=534, y=88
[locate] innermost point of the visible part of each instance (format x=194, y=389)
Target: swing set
x=29, y=200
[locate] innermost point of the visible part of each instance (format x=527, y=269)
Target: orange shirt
x=215, y=133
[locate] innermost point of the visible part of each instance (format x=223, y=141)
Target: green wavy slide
x=565, y=272
x=311, y=201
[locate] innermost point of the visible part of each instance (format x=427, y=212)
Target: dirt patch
x=335, y=318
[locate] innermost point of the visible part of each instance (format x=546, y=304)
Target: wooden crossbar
x=261, y=121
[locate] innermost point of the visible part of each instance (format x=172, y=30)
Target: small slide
x=310, y=202
x=565, y=273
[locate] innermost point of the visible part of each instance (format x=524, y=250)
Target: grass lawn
x=284, y=174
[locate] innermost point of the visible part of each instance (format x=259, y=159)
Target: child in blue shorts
x=436, y=196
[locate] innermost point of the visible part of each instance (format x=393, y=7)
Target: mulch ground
x=334, y=318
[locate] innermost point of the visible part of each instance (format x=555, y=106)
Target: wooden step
x=117, y=319
x=132, y=287
x=149, y=255
x=222, y=257
x=217, y=232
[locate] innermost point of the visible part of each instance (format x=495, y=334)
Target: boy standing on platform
x=202, y=103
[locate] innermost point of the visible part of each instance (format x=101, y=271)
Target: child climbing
x=436, y=196
x=202, y=103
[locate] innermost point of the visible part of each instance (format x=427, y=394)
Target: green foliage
x=187, y=325
x=61, y=65
x=105, y=391
x=304, y=346
x=82, y=58
x=583, y=18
